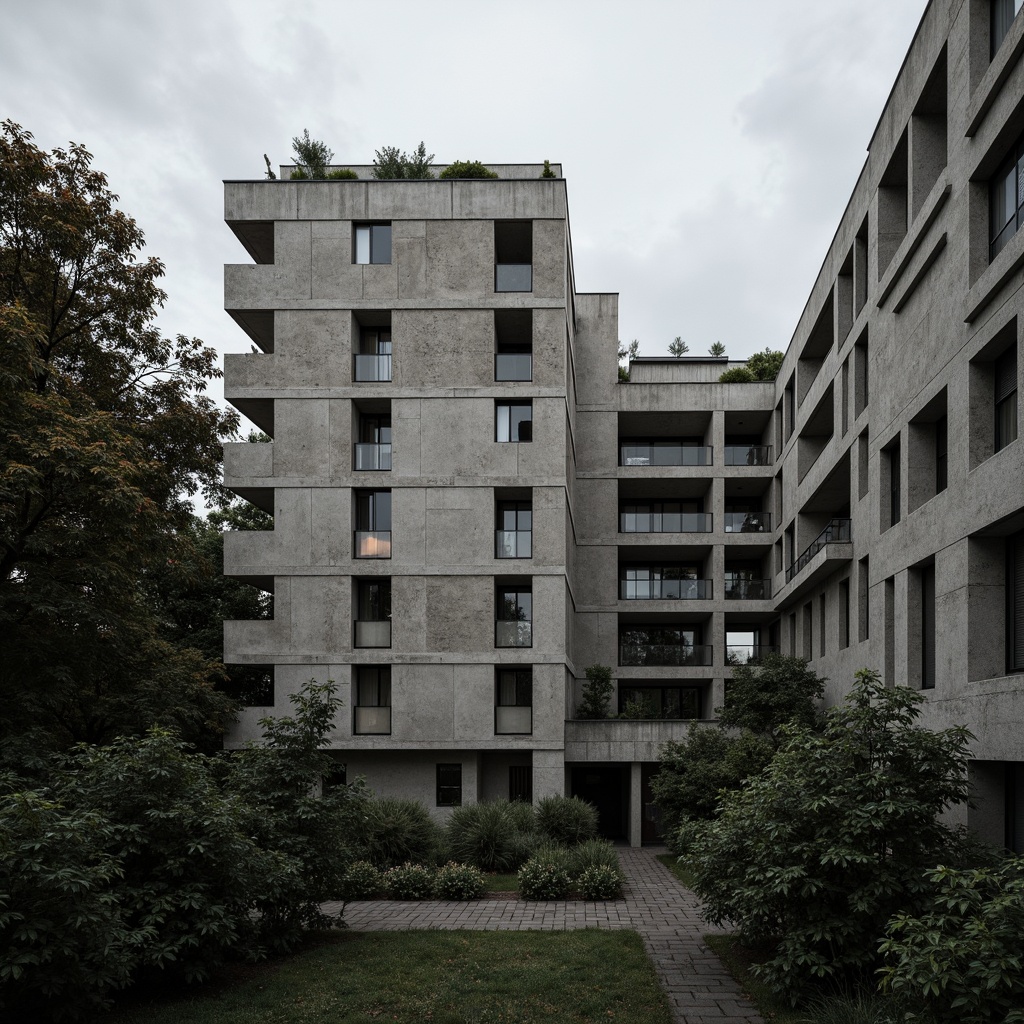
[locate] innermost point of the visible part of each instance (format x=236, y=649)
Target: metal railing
x=373, y=456
x=748, y=454
x=513, y=633
x=748, y=522
x=665, y=522
x=664, y=654
x=665, y=590
x=667, y=454
x=513, y=277
x=372, y=367
x=747, y=654
x=513, y=366
x=748, y=590
x=838, y=531
x=513, y=543
x=373, y=544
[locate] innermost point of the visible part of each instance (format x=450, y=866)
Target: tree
x=834, y=836
x=312, y=156
x=766, y=365
x=107, y=434
x=597, y=691
x=677, y=347
x=627, y=352
x=390, y=162
x=717, y=349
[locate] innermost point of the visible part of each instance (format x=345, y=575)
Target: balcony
x=513, y=366
x=375, y=633
x=748, y=522
x=748, y=590
x=665, y=590
x=747, y=654
x=373, y=456
x=513, y=721
x=372, y=368
x=373, y=721
x=373, y=544
x=748, y=455
x=647, y=655
x=513, y=544
x=665, y=522
x=511, y=633
x=666, y=453
x=838, y=531
x=513, y=277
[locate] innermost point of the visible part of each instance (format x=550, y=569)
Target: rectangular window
x=513, y=255
x=941, y=454
x=373, y=700
x=1003, y=13
x=1015, y=603
x=679, y=703
x=513, y=421
x=928, y=627
x=1006, y=200
x=844, y=614
x=664, y=517
x=808, y=631
x=514, y=625
x=373, y=449
x=821, y=626
x=514, y=534
x=449, y=785
x=863, y=600
x=373, y=613
x=520, y=783
x=662, y=645
x=371, y=243
x=373, y=524
x=1006, y=398
x=892, y=454
x=513, y=344
x=513, y=702
x=373, y=360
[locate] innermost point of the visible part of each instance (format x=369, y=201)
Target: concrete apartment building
x=469, y=508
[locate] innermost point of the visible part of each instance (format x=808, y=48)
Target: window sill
x=995, y=277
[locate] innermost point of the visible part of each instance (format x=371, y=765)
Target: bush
x=566, y=820
x=594, y=853
x=780, y=691
x=459, y=882
x=390, y=162
x=311, y=156
x=342, y=174
x=363, y=881
x=959, y=960
x=466, y=169
x=396, y=831
x=409, y=882
x=834, y=836
x=737, y=375
x=539, y=881
x=597, y=691
x=766, y=365
x=547, y=172
x=600, y=883
x=487, y=836
x=524, y=817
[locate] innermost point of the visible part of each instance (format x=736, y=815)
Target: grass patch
x=680, y=869
x=738, y=959
x=441, y=977
x=501, y=883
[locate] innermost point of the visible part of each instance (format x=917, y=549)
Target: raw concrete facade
x=865, y=509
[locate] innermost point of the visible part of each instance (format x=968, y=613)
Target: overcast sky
x=709, y=148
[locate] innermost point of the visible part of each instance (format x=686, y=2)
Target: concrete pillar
x=636, y=804
x=548, y=773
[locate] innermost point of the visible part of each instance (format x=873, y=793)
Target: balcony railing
x=373, y=543
x=665, y=590
x=513, y=544
x=748, y=454
x=513, y=277
x=513, y=366
x=373, y=456
x=664, y=654
x=369, y=368
x=513, y=721
x=373, y=633
x=747, y=654
x=748, y=522
x=512, y=633
x=373, y=721
x=748, y=590
x=838, y=531
x=665, y=522
x=664, y=455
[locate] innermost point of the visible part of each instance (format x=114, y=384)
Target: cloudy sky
x=709, y=148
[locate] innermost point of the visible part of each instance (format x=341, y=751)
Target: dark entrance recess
x=650, y=814
x=607, y=788
x=520, y=783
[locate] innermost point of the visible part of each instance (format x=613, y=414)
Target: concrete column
x=548, y=774
x=636, y=804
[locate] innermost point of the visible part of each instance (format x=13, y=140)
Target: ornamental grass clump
x=397, y=830
x=566, y=820
x=489, y=835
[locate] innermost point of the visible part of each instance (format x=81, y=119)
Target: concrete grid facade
x=469, y=508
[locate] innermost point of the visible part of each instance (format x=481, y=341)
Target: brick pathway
x=666, y=915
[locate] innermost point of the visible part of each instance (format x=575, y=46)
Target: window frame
x=1007, y=181
x=371, y=518
x=1015, y=603
x=515, y=507
x=503, y=410
x=501, y=608
x=374, y=241
x=452, y=789
x=1004, y=399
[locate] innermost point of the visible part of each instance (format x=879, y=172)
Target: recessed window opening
x=371, y=243
x=513, y=421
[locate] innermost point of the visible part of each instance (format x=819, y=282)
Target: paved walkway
x=699, y=988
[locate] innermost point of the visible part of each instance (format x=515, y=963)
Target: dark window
x=513, y=421
x=372, y=243
x=373, y=449
x=520, y=783
x=449, y=785
x=514, y=534
x=1006, y=200
x=373, y=524
x=513, y=255
x=928, y=627
x=941, y=454
x=844, y=613
x=673, y=702
x=373, y=613
x=373, y=700
x=663, y=517
x=513, y=339
x=373, y=360
x=514, y=688
x=514, y=625
x=1014, y=804
x=821, y=626
x=1015, y=603
x=894, y=483
x=1003, y=13
x=662, y=645
x=1006, y=398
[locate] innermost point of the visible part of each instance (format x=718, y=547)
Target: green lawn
x=680, y=870
x=440, y=977
x=502, y=883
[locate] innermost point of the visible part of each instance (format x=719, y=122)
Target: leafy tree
x=597, y=691
x=766, y=365
x=738, y=375
x=390, y=162
x=717, y=349
x=627, y=352
x=312, y=156
x=107, y=434
x=467, y=169
x=834, y=836
x=677, y=347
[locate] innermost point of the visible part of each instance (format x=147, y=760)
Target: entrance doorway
x=605, y=786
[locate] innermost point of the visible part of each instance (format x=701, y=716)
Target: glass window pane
x=382, y=511
x=502, y=419
x=362, y=244
x=381, y=245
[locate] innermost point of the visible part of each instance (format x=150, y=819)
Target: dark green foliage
x=311, y=156
x=298, y=175
x=639, y=707
x=961, y=960
x=459, y=882
x=600, y=883
x=627, y=352
x=781, y=691
x=566, y=820
x=342, y=174
x=597, y=691
x=363, y=881
x=539, y=881
x=409, y=882
x=390, y=162
x=692, y=773
x=489, y=836
x=716, y=349
x=593, y=853
x=466, y=169
x=766, y=365
x=394, y=830
x=677, y=347
x=835, y=835
x=547, y=172
x=738, y=375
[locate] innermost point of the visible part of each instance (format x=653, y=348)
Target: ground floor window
x=449, y=785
